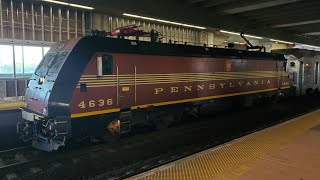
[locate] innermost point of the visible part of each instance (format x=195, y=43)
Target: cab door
x=126, y=83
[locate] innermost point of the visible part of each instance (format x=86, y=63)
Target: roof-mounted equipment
x=130, y=30
x=251, y=46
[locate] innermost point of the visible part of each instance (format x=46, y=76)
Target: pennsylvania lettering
x=212, y=86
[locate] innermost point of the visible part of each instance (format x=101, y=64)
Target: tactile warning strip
x=229, y=161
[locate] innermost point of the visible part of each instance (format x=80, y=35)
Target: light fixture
x=246, y=35
x=81, y=6
x=279, y=41
x=56, y=2
x=306, y=46
x=41, y=80
x=310, y=46
x=69, y=4
x=163, y=21
x=238, y=42
x=312, y=33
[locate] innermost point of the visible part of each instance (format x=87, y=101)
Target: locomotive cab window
x=83, y=87
x=104, y=65
x=307, y=69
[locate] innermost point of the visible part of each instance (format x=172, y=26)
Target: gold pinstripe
x=139, y=76
x=153, y=82
x=243, y=72
x=182, y=75
x=187, y=76
x=128, y=76
x=196, y=77
x=166, y=79
x=129, y=84
x=76, y=115
x=140, y=83
x=142, y=79
x=172, y=79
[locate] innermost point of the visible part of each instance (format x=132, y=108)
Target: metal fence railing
x=12, y=89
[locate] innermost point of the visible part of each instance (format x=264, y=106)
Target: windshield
x=56, y=64
x=52, y=62
x=46, y=61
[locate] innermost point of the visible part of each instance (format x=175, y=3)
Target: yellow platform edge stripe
x=11, y=105
x=76, y=115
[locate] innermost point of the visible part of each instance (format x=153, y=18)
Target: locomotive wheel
x=110, y=138
x=162, y=120
x=192, y=111
x=112, y=132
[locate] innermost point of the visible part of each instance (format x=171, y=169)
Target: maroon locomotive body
x=95, y=85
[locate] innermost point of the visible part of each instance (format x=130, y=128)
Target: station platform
x=11, y=105
x=289, y=150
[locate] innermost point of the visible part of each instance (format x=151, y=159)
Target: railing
x=12, y=89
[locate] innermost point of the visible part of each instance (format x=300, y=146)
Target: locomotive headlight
x=44, y=111
x=41, y=80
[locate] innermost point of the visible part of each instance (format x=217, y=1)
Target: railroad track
x=17, y=156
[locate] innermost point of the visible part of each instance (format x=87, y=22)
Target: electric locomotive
x=99, y=86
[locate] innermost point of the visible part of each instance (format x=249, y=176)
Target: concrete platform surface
x=290, y=150
x=299, y=159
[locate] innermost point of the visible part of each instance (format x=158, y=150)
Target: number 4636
x=93, y=103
